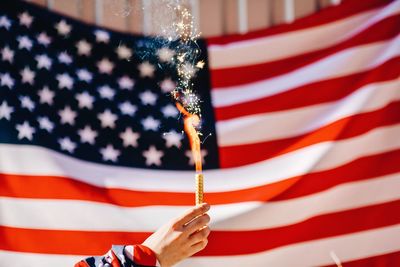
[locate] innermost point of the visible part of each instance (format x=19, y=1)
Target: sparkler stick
x=199, y=188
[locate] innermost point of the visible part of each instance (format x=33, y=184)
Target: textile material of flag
x=302, y=154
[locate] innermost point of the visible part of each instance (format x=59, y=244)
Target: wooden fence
x=212, y=17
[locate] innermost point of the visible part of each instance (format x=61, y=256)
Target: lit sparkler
x=187, y=52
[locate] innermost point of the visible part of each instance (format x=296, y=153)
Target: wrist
x=143, y=255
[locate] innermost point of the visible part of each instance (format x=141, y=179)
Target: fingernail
x=206, y=206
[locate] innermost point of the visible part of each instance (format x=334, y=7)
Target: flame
x=190, y=122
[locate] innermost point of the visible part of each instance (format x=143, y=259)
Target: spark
x=200, y=64
x=186, y=63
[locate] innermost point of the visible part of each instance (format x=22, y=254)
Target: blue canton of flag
x=94, y=94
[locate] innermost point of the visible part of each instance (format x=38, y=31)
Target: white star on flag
x=149, y=123
x=67, y=116
x=43, y=39
x=5, y=111
x=173, y=138
x=106, y=92
x=85, y=100
x=7, y=54
x=65, y=81
x=110, y=153
x=167, y=85
x=5, y=22
x=107, y=119
x=124, y=52
x=170, y=111
x=66, y=144
x=105, y=66
x=24, y=43
x=25, y=131
x=25, y=19
x=165, y=54
x=63, y=28
x=84, y=75
x=129, y=137
x=127, y=108
x=102, y=36
x=45, y=124
x=84, y=48
x=6, y=80
x=126, y=83
x=148, y=98
x=46, y=96
x=28, y=76
x=27, y=103
x=65, y=58
x=43, y=61
x=87, y=135
x=146, y=69
x=153, y=156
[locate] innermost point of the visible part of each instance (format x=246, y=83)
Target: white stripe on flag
x=298, y=121
x=31, y=160
x=348, y=61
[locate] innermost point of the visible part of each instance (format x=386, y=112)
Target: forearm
x=123, y=256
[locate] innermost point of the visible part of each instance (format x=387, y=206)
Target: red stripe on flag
x=46, y=187
x=226, y=77
x=220, y=242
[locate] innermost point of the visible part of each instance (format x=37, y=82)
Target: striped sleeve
x=122, y=256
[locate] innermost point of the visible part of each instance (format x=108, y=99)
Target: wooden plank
x=69, y=8
x=164, y=16
x=135, y=17
x=113, y=14
x=39, y=2
x=87, y=10
x=303, y=8
x=324, y=3
x=211, y=14
x=231, y=18
x=259, y=14
x=278, y=11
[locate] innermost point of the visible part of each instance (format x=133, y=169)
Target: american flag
x=302, y=155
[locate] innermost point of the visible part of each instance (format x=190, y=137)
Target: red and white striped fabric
x=308, y=125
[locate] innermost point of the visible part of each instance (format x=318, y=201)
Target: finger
x=191, y=214
x=200, y=236
x=197, y=223
x=198, y=247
